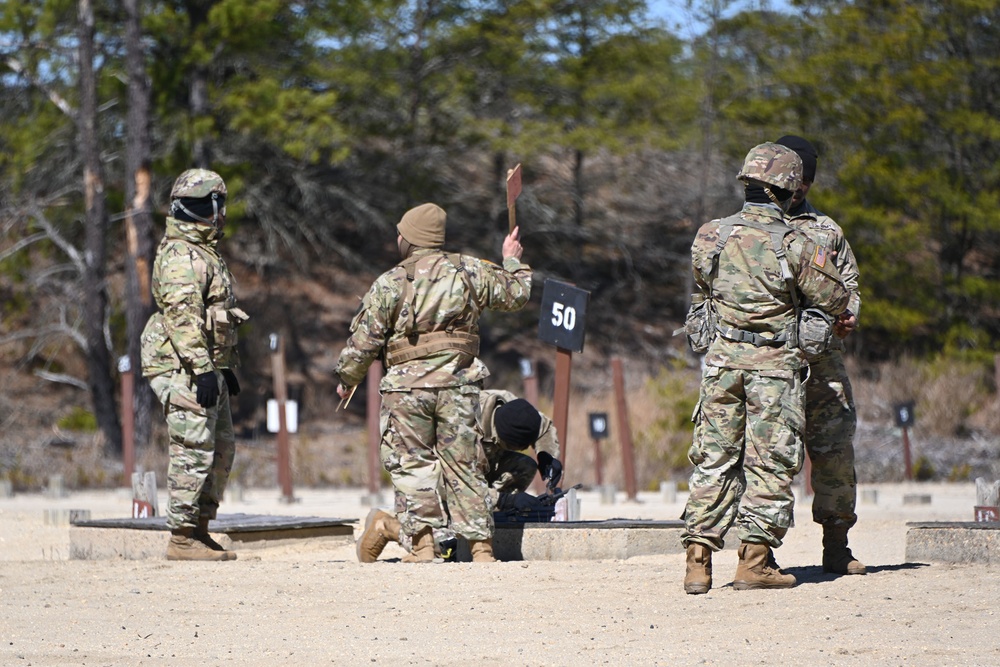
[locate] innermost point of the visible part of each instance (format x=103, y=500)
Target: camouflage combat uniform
x=748, y=425
x=194, y=332
x=508, y=470
x=430, y=404
x=831, y=417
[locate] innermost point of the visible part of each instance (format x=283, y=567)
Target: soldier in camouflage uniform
x=422, y=318
x=188, y=353
x=748, y=426
x=831, y=417
x=509, y=427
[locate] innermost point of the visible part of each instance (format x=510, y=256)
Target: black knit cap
x=806, y=151
x=517, y=423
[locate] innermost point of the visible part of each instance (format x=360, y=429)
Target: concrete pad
x=613, y=539
x=138, y=539
x=954, y=542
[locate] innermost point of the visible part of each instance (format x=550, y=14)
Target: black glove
x=550, y=468
x=208, y=389
x=232, y=384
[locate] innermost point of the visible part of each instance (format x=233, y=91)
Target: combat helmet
x=200, y=184
x=773, y=166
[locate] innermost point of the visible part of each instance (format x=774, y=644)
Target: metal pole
x=624, y=432
x=373, y=408
x=560, y=416
x=281, y=397
x=807, y=473
x=128, y=420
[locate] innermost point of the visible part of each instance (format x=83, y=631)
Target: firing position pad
x=613, y=539
x=954, y=542
x=137, y=539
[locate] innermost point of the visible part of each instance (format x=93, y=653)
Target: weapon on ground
x=542, y=509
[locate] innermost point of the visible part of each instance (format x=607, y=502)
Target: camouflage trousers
x=431, y=450
x=511, y=472
x=831, y=420
x=747, y=448
x=202, y=447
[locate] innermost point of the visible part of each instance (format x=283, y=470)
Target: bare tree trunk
x=99, y=378
x=138, y=217
x=578, y=194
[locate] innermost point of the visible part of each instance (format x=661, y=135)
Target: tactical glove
x=208, y=389
x=232, y=384
x=550, y=468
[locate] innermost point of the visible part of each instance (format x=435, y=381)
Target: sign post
x=598, y=431
x=905, y=418
x=624, y=432
x=281, y=397
x=128, y=419
x=513, y=190
x=562, y=323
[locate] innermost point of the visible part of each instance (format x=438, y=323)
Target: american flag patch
x=819, y=257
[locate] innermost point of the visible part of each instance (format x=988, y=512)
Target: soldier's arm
x=506, y=288
x=847, y=264
x=819, y=281
x=369, y=333
x=182, y=281
x=548, y=438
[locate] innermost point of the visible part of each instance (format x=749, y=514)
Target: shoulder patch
x=820, y=257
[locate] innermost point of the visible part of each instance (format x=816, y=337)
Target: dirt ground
x=313, y=604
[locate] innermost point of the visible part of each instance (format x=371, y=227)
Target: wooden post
x=624, y=432
x=807, y=473
x=281, y=397
x=373, y=408
x=128, y=420
x=530, y=381
x=560, y=416
x=907, y=463
x=598, y=463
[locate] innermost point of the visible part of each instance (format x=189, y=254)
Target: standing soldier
x=422, y=317
x=188, y=353
x=754, y=273
x=509, y=427
x=831, y=417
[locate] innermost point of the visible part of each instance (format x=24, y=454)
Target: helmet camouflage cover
x=198, y=183
x=773, y=164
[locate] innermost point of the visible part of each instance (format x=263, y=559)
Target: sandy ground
x=313, y=604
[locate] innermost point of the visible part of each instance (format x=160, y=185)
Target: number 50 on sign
x=563, y=315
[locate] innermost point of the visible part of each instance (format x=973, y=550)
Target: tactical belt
x=756, y=339
x=421, y=345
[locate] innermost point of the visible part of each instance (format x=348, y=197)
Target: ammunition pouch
x=815, y=331
x=223, y=323
x=700, y=325
x=421, y=345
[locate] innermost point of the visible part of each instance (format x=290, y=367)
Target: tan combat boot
x=183, y=546
x=423, y=547
x=698, y=579
x=757, y=569
x=482, y=551
x=201, y=534
x=380, y=529
x=837, y=558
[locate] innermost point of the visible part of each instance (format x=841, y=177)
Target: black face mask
x=199, y=209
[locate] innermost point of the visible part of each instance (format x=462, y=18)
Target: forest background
x=330, y=118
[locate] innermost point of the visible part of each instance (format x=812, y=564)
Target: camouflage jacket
x=195, y=327
x=825, y=232
x=489, y=401
x=443, y=300
x=750, y=294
